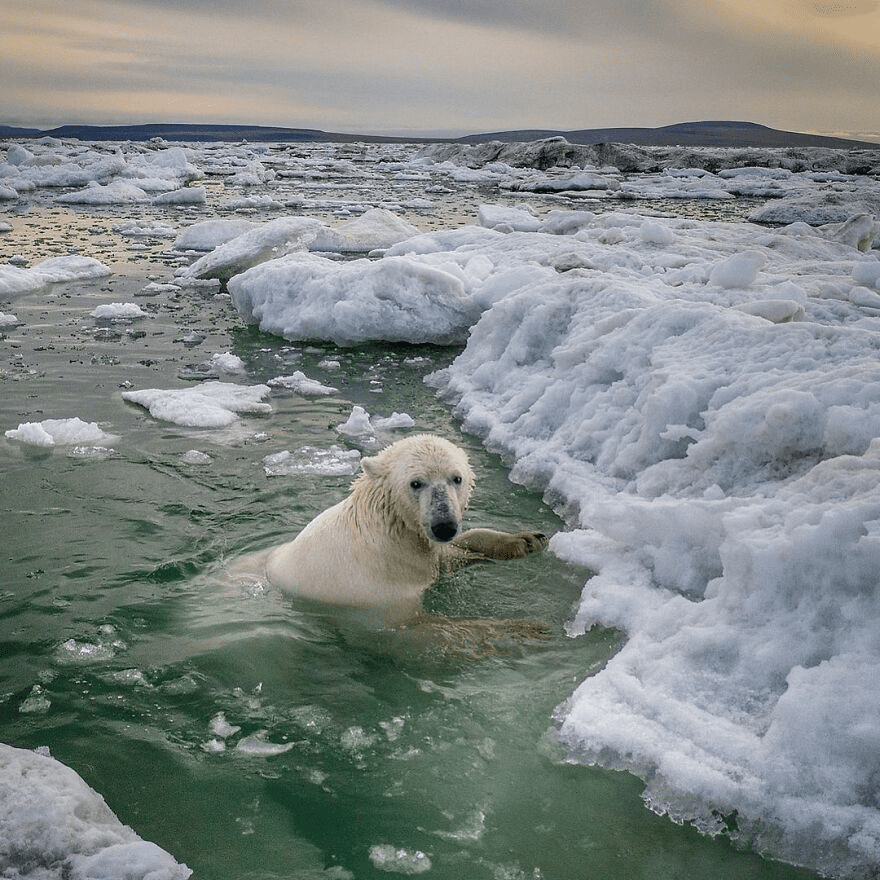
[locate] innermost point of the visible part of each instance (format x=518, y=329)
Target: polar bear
x=387, y=542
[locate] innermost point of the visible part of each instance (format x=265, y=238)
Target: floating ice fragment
x=36, y=702
x=357, y=425
x=194, y=456
x=395, y=420
x=226, y=362
x=266, y=242
x=96, y=453
x=209, y=405
x=14, y=279
x=188, y=195
x=137, y=228
x=83, y=652
x=258, y=746
x=332, y=462
x=117, y=192
x=394, y=860
x=219, y=726
x=118, y=312
x=60, y=432
x=302, y=384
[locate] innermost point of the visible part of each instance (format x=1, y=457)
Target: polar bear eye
x=416, y=485
x=457, y=480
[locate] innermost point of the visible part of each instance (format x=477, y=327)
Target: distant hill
x=685, y=134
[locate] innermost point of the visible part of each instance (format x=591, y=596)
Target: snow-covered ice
x=265, y=242
x=61, y=432
x=15, y=279
x=52, y=825
x=375, y=229
x=306, y=296
x=207, y=405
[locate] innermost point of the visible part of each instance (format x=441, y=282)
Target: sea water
x=248, y=735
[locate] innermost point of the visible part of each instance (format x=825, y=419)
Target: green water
x=249, y=736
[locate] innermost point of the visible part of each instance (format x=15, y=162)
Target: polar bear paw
x=490, y=544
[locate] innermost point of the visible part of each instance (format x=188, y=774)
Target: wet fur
x=399, y=529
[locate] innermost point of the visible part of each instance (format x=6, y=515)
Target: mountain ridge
x=714, y=133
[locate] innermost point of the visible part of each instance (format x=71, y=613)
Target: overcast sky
x=442, y=66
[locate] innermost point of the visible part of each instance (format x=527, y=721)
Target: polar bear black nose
x=445, y=530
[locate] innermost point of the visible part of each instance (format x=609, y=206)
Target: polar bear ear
x=372, y=466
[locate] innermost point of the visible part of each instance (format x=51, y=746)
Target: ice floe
x=61, y=432
x=210, y=404
x=54, y=826
x=15, y=279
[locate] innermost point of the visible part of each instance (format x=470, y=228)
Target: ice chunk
x=302, y=384
x=395, y=420
x=118, y=312
x=209, y=234
x=357, y=425
x=257, y=746
x=209, y=405
x=188, y=195
x=266, y=242
x=53, y=270
x=117, y=192
x=54, y=825
x=304, y=296
x=227, y=362
x=375, y=229
x=60, y=432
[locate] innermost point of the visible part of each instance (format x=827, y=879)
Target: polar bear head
x=422, y=481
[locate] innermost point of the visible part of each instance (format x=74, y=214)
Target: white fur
x=387, y=541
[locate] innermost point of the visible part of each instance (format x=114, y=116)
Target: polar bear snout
x=441, y=518
x=443, y=530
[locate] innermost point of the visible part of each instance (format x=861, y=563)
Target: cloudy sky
x=442, y=66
